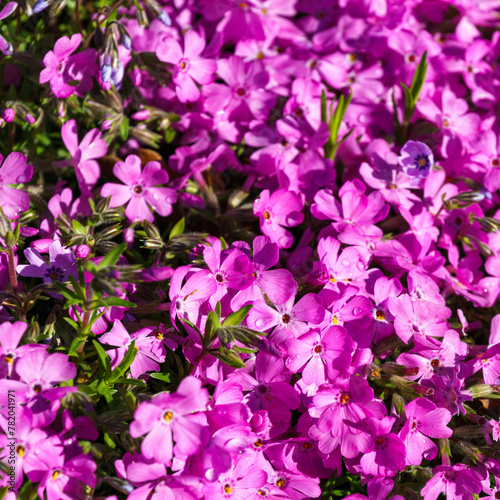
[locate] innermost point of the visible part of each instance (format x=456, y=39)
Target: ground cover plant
x=249, y=249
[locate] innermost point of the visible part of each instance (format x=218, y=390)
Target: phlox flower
x=172, y=417
x=61, y=67
x=140, y=191
x=84, y=155
x=320, y=356
x=423, y=420
x=149, y=344
x=277, y=211
x=239, y=482
x=388, y=454
x=61, y=478
x=14, y=170
x=416, y=160
x=61, y=264
x=189, y=65
x=336, y=408
x=455, y=481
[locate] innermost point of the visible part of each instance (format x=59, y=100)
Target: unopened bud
x=82, y=251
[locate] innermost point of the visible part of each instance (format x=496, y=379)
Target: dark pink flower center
x=138, y=189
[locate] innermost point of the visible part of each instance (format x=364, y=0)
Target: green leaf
x=78, y=227
x=223, y=244
x=122, y=368
x=131, y=381
x=77, y=288
x=218, y=309
x=178, y=229
x=419, y=77
x=112, y=257
x=66, y=292
x=229, y=358
x=112, y=301
x=77, y=342
x=237, y=317
x=324, y=118
x=123, y=128
x=164, y=377
x=211, y=326
x=74, y=324
x=109, y=441
x=104, y=358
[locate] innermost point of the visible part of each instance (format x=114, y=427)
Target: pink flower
x=84, y=155
x=424, y=420
x=14, y=171
x=277, y=211
x=61, y=67
x=169, y=417
x=458, y=481
x=189, y=66
x=140, y=192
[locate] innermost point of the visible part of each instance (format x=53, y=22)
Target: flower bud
x=82, y=251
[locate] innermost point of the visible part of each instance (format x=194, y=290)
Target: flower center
x=344, y=398
x=285, y=318
x=422, y=162
x=260, y=55
x=60, y=68
x=334, y=319
x=138, y=189
x=55, y=273
x=318, y=349
x=446, y=122
x=184, y=65
x=411, y=58
x=9, y=359
x=380, y=315
x=258, y=443
x=241, y=92
x=55, y=474
x=495, y=162
x=168, y=416
x=159, y=336
x=37, y=388
x=280, y=483
x=228, y=489
x=219, y=277
x=20, y=451
x=435, y=363
x=266, y=215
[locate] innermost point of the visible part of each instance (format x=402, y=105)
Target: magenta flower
x=455, y=481
x=61, y=67
x=239, y=482
x=14, y=170
x=320, y=356
x=187, y=298
x=416, y=159
x=336, y=409
x=149, y=344
x=189, y=66
x=171, y=417
x=423, y=420
x=277, y=211
x=388, y=454
x=139, y=191
x=61, y=478
x=84, y=155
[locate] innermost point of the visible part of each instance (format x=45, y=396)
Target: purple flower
x=348, y=402
x=388, y=454
x=189, y=66
x=455, y=481
x=61, y=67
x=320, y=356
x=139, y=191
x=423, y=420
x=169, y=417
x=61, y=263
x=416, y=160
x=149, y=344
x=61, y=478
x=14, y=170
x=277, y=211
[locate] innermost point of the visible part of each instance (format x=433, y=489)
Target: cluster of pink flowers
x=340, y=320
